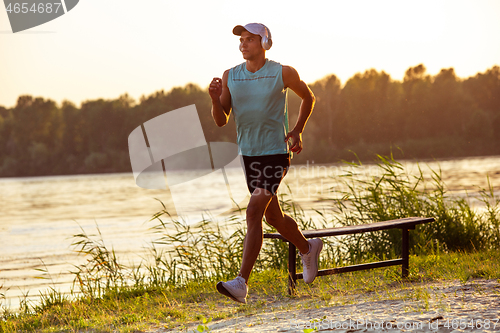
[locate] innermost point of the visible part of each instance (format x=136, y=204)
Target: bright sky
x=103, y=49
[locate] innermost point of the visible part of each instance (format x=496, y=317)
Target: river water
x=40, y=215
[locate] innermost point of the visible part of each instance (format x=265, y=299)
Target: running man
x=256, y=91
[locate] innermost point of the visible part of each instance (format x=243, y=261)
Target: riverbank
x=447, y=285
x=41, y=214
x=440, y=306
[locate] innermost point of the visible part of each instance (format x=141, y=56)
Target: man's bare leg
x=263, y=202
x=289, y=229
x=257, y=205
x=285, y=225
x=237, y=288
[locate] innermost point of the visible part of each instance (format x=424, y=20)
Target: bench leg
x=292, y=272
x=405, y=253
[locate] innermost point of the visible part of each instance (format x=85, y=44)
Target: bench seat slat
x=405, y=223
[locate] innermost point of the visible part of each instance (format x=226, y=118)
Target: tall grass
x=394, y=193
x=210, y=250
x=102, y=271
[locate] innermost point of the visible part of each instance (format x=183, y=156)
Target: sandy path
x=438, y=307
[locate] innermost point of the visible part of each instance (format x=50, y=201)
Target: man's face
x=250, y=45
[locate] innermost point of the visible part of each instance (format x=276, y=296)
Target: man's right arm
x=221, y=99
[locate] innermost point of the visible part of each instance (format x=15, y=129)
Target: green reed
x=210, y=250
x=102, y=271
x=393, y=193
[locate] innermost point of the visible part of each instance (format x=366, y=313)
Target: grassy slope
x=169, y=307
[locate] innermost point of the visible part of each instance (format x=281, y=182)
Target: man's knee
x=258, y=203
x=254, y=214
x=276, y=220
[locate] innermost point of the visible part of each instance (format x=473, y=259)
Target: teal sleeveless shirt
x=259, y=103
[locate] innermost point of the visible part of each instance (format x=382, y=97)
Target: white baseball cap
x=256, y=29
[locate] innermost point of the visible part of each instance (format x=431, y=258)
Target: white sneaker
x=235, y=289
x=310, y=260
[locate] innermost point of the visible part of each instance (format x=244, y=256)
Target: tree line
x=423, y=116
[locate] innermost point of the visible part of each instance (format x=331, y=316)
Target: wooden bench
x=404, y=224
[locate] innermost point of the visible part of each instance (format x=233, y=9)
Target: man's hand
x=215, y=89
x=221, y=99
x=296, y=143
x=292, y=80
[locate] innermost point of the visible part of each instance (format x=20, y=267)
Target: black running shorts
x=265, y=171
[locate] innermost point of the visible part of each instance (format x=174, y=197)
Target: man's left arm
x=291, y=79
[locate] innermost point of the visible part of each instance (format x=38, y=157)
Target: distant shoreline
x=313, y=163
